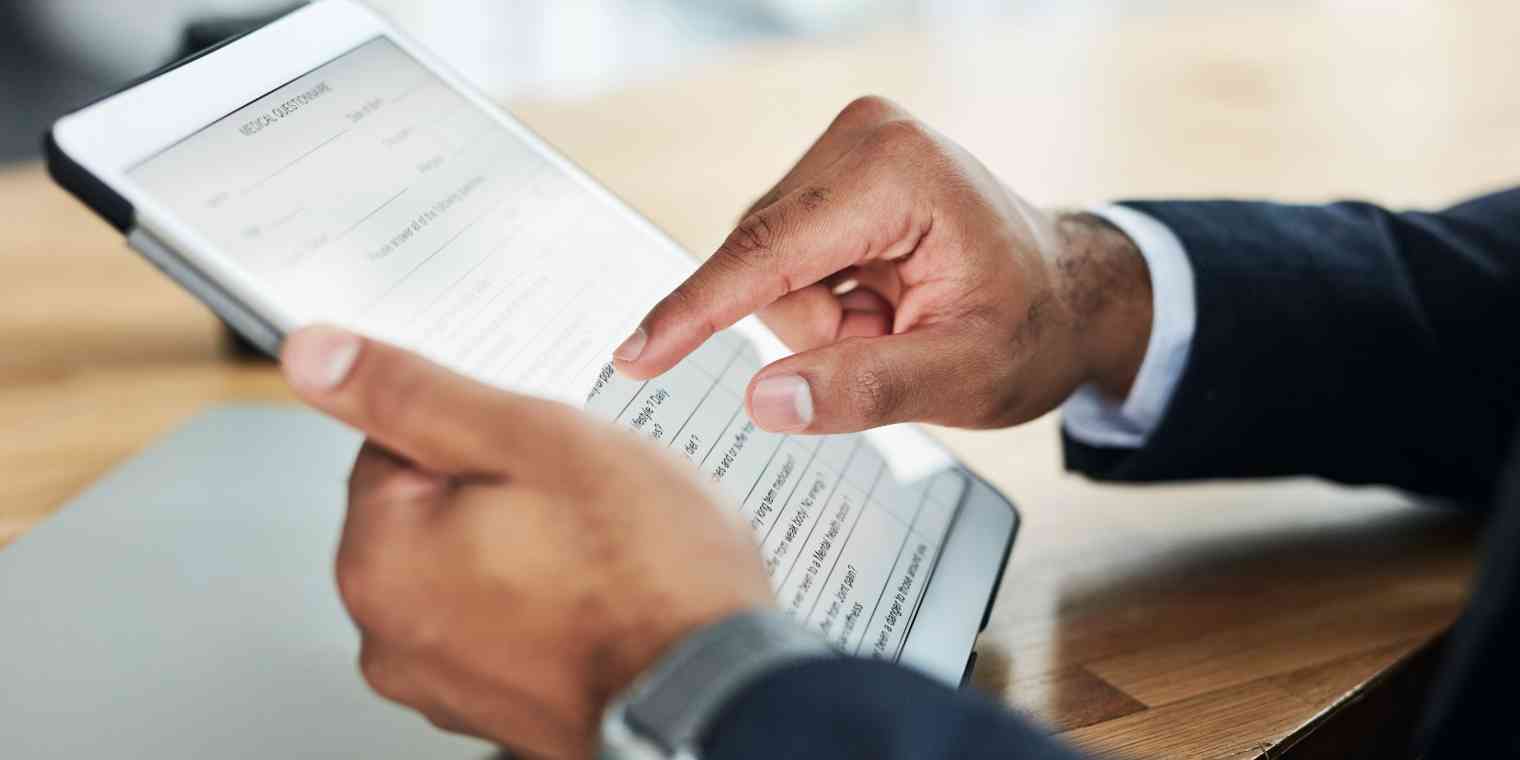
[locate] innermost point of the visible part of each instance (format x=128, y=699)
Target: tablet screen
x=370, y=193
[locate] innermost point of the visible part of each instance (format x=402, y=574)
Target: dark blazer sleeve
x=1470, y=712
x=1344, y=341
x=855, y=708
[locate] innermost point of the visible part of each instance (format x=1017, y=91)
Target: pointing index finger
x=809, y=234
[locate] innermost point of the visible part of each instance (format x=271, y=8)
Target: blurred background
x=57, y=54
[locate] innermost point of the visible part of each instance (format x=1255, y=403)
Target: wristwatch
x=668, y=708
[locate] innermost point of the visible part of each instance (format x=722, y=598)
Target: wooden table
x=1204, y=621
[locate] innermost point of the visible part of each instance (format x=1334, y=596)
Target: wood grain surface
x=1198, y=621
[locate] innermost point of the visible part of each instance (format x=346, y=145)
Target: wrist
x=1106, y=285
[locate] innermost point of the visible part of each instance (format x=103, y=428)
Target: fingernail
x=631, y=348
x=782, y=404
x=319, y=358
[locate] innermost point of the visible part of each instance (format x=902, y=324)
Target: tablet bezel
x=104, y=141
x=970, y=567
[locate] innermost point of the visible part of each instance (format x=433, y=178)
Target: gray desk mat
x=184, y=607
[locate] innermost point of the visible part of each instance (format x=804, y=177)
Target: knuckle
x=761, y=203
x=377, y=603
x=746, y=249
x=381, y=674
x=368, y=590
x=865, y=110
x=756, y=235
x=897, y=137
x=750, y=253
x=356, y=587
x=444, y=721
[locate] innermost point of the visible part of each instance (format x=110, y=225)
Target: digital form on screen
x=372, y=194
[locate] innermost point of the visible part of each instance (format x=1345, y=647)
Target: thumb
x=441, y=421
x=861, y=383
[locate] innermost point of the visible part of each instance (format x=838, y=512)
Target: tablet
x=326, y=169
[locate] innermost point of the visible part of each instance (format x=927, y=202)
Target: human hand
x=968, y=307
x=512, y=564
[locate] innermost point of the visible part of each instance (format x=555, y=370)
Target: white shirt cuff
x=1095, y=420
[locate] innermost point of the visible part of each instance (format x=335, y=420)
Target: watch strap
x=672, y=703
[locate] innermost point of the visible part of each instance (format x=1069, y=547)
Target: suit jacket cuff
x=1096, y=421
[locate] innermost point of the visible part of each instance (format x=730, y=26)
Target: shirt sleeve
x=1093, y=419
